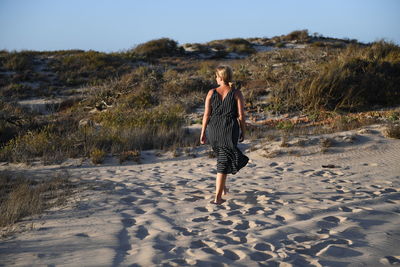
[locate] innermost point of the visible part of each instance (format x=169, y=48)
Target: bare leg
x=219, y=187
x=226, y=190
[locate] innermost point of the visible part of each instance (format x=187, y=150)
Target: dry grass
x=135, y=105
x=97, y=156
x=21, y=196
x=133, y=155
x=358, y=78
x=327, y=142
x=392, y=131
x=158, y=48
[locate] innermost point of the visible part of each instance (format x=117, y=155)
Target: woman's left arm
x=242, y=118
x=206, y=117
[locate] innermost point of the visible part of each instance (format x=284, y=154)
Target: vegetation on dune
x=158, y=48
x=21, y=196
x=358, y=78
x=235, y=45
x=140, y=98
x=91, y=66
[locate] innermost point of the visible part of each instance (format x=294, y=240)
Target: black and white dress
x=223, y=133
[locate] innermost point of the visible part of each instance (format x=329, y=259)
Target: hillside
x=61, y=104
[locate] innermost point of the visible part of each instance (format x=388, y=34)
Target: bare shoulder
x=210, y=92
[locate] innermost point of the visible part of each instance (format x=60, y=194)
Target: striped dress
x=223, y=133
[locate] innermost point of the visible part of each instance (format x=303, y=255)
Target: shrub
x=239, y=45
x=299, y=35
x=183, y=84
x=140, y=99
x=129, y=155
x=97, y=156
x=21, y=196
x=198, y=48
x=158, y=48
x=359, y=78
x=91, y=66
x=354, y=78
x=392, y=131
x=45, y=143
x=17, y=61
x=16, y=90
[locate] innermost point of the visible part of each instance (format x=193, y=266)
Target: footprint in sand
x=128, y=222
x=210, y=251
x=393, y=260
x=216, y=215
x=233, y=213
x=233, y=206
x=280, y=218
x=221, y=231
x=82, y=235
x=200, y=219
x=193, y=198
x=142, y=232
x=264, y=247
x=228, y=222
x=164, y=241
x=233, y=255
x=242, y=226
x=201, y=209
x=139, y=211
x=129, y=199
x=259, y=256
x=184, y=231
x=388, y=190
x=323, y=246
x=337, y=251
x=232, y=239
x=334, y=219
x=330, y=221
x=346, y=209
x=255, y=210
x=353, y=232
x=197, y=244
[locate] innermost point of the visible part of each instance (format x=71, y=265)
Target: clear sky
x=114, y=25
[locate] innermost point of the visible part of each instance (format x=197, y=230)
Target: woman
x=225, y=118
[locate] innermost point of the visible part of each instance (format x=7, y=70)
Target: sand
x=283, y=211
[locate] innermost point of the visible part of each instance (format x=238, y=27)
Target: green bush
x=359, y=78
x=97, y=156
x=299, y=35
x=239, y=45
x=21, y=196
x=16, y=61
x=91, y=66
x=158, y=48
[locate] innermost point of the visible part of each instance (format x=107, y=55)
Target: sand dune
x=282, y=211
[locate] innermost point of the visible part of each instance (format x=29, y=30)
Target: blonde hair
x=225, y=73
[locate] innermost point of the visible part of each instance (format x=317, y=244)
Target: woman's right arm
x=206, y=117
x=242, y=117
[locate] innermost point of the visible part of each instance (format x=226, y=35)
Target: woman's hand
x=203, y=138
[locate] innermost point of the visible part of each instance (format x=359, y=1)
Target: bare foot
x=226, y=190
x=218, y=202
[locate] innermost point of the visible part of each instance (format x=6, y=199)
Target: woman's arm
x=206, y=116
x=242, y=118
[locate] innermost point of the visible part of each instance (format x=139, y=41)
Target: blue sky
x=114, y=25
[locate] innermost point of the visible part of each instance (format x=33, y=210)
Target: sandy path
x=280, y=212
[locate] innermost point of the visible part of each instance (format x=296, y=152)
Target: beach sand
x=336, y=207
